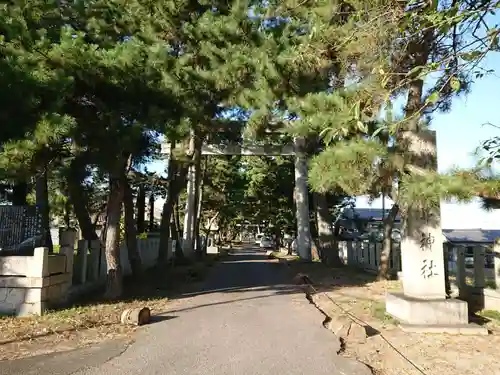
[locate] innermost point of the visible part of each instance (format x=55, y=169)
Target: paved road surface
x=245, y=320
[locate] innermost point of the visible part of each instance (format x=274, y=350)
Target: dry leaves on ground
x=68, y=328
x=95, y=321
x=395, y=352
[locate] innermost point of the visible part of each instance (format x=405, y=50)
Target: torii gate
x=301, y=188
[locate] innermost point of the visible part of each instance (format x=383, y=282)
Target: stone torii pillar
x=302, y=201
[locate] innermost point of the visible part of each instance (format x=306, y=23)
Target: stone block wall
x=31, y=284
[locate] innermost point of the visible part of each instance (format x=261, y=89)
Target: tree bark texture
x=42, y=202
x=19, y=194
x=141, y=209
x=78, y=200
x=177, y=176
x=197, y=237
x=166, y=216
x=177, y=218
x=151, y=224
x=385, y=254
x=134, y=257
x=326, y=238
x=114, y=282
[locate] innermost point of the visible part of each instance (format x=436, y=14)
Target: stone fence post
x=350, y=253
x=83, y=247
x=479, y=276
x=67, y=239
x=95, y=260
x=460, y=270
x=496, y=260
x=38, y=265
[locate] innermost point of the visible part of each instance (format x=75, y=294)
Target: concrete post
x=350, y=253
x=496, y=260
x=83, y=247
x=96, y=258
x=479, y=276
x=460, y=270
x=372, y=255
x=447, y=249
x=302, y=201
x=364, y=253
x=67, y=239
x=38, y=265
x=357, y=252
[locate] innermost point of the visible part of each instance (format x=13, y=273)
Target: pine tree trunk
x=19, y=194
x=151, y=224
x=140, y=209
x=134, y=257
x=177, y=176
x=277, y=237
x=78, y=199
x=326, y=237
x=197, y=236
x=385, y=254
x=197, y=186
x=174, y=234
x=42, y=202
x=114, y=282
x=166, y=216
x=177, y=218
x=313, y=223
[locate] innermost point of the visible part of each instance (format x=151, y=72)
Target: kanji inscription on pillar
x=426, y=241
x=428, y=268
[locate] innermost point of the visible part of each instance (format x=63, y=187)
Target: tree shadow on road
x=227, y=302
x=246, y=271
x=241, y=271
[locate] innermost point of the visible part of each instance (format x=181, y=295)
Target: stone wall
x=31, y=284
x=90, y=261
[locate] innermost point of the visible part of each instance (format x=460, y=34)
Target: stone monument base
x=431, y=316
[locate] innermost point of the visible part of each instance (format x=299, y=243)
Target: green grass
x=490, y=314
x=280, y=255
x=379, y=312
x=491, y=284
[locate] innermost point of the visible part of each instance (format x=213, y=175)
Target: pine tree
x=270, y=192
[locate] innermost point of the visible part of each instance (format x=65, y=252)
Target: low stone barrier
x=31, y=284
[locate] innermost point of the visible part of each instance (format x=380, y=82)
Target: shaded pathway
x=243, y=320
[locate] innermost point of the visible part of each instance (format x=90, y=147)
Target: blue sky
x=459, y=132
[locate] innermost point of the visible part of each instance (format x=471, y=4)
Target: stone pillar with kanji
x=423, y=305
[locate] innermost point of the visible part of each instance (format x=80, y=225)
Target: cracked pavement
x=245, y=319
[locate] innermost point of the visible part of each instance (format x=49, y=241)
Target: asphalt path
x=246, y=319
